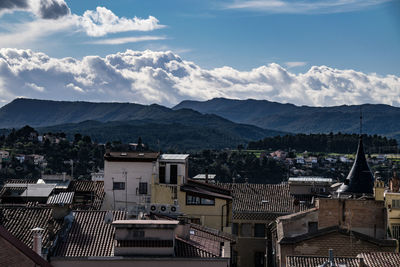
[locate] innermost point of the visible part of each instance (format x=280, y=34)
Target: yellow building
x=203, y=203
x=391, y=196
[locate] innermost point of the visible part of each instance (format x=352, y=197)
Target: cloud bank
x=165, y=78
x=93, y=23
x=303, y=6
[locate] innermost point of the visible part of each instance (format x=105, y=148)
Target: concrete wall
x=296, y=225
x=363, y=216
x=136, y=172
x=182, y=169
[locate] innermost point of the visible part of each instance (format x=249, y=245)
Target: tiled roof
x=212, y=234
x=313, y=261
x=62, y=198
x=89, y=235
x=20, y=181
x=19, y=222
x=249, y=199
x=256, y=216
x=378, y=259
x=208, y=189
x=336, y=229
x=145, y=243
x=11, y=258
x=188, y=249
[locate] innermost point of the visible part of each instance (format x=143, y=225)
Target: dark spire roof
x=360, y=179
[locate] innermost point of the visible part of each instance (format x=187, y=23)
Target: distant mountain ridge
x=377, y=118
x=125, y=122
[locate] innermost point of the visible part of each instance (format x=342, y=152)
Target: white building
x=128, y=177
x=173, y=168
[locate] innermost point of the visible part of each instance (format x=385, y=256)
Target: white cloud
x=125, y=40
x=165, y=78
x=94, y=23
x=103, y=21
x=303, y=6
x=294, y=64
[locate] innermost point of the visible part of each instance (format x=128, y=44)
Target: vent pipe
x=37, y=240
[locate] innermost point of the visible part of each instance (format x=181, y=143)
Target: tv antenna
x=361, y=120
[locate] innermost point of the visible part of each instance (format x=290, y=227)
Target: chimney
x=331, y=259
x=37, y=240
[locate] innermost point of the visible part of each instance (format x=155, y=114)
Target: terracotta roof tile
x=145, y=243
x=313, y=261
x=20, y=220
x=89, y=235
x=189, y=249
x=253, y=199
x=62, y=198
x=378, y=259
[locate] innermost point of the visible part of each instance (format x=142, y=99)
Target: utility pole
x=113, y=193
x=125, y=173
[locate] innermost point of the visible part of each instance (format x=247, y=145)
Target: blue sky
x=362, y=36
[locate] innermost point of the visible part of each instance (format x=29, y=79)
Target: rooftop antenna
x=360, y=120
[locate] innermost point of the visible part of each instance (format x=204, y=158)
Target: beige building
x=391, y=198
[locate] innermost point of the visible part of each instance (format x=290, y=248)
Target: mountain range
x=377, y=118
x=182, y=129
x=216, y=123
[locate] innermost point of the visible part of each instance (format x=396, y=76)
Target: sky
x=305, y=52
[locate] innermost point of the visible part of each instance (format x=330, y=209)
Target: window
x=142, y=188
x=161, y=174
x=396, y=231
x=196, y=200
x=396, y=203
x=173, y=174
x=235, y=228
x=118, y=186
x=195, y=220
x=259, y=230
x=312, y=227
x=245, y=230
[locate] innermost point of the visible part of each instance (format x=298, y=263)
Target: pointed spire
x=360, y=179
